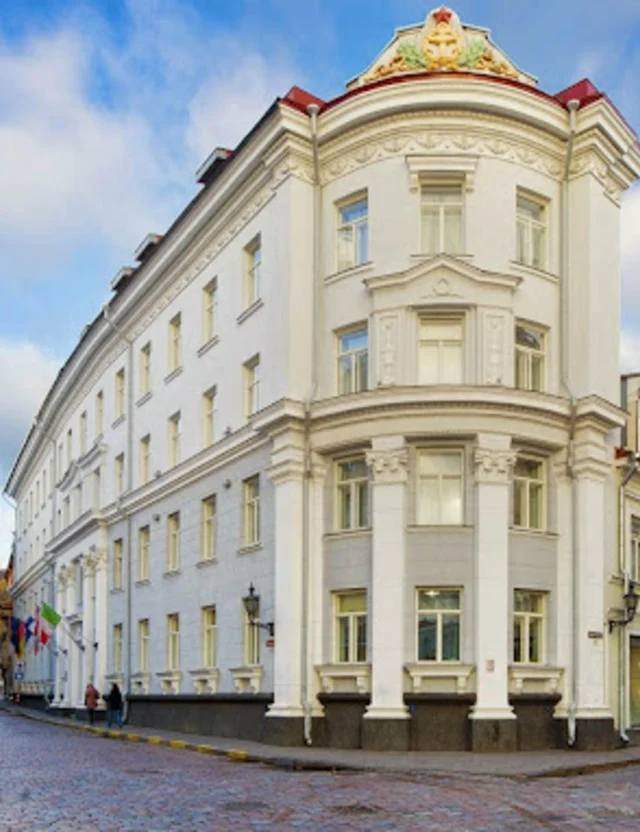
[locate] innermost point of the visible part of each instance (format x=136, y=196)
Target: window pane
x=529, y=337
x=450, y=638
x=428, y=501
x=345, y=374
x=363, y=371
x=535, y=506
x=451, y=364
x=522, y=360
x=427, y=633
x=356, y=340
x=529, y=208
x=453, y=229
x=345, y=247
x=361, y=653
x=517, y=639
x=344, y=495
x=537, y=247
x=362, y=243
x=536, y=373
x=451, y=501
x=353, y=211
x=343, y=639
x=363, y=499
x=429, y=364
x=352, y=602
x=519, y=493
x=521, y=241
x=354, y=469
x=529, y=468
x=434, y=330
x=535, y=640
x=430, y=229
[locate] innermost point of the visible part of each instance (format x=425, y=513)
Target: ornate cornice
x=388, y=466
x=493, y=466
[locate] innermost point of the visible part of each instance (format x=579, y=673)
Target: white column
x=316, y=586
x=564, y=582
x=494, y=461
x=286, y=473
x=60, y=643
x=388, y=462
x=89, y=618
x=101, y=590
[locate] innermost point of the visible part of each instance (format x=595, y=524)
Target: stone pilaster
x=386, y=722
x=62, y=663
x=316, y=586
x=564, y=581
x=493, y=720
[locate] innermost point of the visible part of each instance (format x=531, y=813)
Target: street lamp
x=251, y=604
x=630, y=607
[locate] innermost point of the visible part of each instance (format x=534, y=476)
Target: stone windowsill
x=250, y=310
x=457, y=671
x=539, y=533
x=116, y=590
x=205, y=679
x=248, y=678
x=361, y=268
x=144, y=399
x=346, y=533
x=143, y=581
x=170, y=681
x=357, y=674
x=173, y=374
x=208, y=345
x=250, y=547
x=419, y=256
x=205, y=562
x=526, y=269
x=141, y=682
x=172, y=573
x=115, y=678
x=534, y=678
x=118, y=421
x=444, y=528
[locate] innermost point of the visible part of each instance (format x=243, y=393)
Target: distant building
x=364, y=393
x=6, y=612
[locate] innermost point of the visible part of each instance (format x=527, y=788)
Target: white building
x=371, y=370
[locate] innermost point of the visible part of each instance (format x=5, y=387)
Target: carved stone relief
x=388, y=466
x=494, y=348
x=388, y=350
x=493, y=466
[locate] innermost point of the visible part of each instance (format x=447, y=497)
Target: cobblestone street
x=57, y=779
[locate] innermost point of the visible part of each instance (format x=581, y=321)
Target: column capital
x=389, y=465
x=493, y=465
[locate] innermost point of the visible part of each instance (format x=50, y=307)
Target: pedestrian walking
x=91, y=697
x=114, y=705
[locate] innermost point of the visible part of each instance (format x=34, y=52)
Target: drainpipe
x=572, y=107
x=623, y=570
x=129, y=489
x=313, y=110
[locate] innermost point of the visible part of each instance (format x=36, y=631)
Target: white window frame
x=354, y=485
x=634, y=545
x=526, y=618
x=118, y=563
x=99, y=413
x=174, y=426
x=424, y=452
x=116, y=647
x=354, y=357
x=173, y=541
x=209, y=411
x=253, y=271
x=357, y=257
x=209, y=636
x=209, y=516
x=175, y=342
x=251, y=641
x=209, y=310
x=173, y=641
x=438, y=613
x=118, y=475
x=145, y=459
x=526, y=255
x=120, y=392
x=252, y=386
x=445, y=319
x=528, y=355
x=353, y=622
x=83, y=432
x=69, y=448
x=527, y=481
x=97, y=488
x=143, y=644
x=144, y=541
x=145, y=369
x=251, y=512
x=432, y=185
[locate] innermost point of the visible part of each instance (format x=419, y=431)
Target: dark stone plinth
x=537, y=728
x=439, y=721
x=595, y=735
x=493, y=735
x=342, y=722
x=385, y=734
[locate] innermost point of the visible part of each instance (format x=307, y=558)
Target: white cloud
x=630, y=352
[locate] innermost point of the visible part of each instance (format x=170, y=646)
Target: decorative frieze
x=493, y=465
x=388, y=466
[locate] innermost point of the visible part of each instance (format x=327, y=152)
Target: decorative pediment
x=442, y=44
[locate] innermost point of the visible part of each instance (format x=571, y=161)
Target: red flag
x=36, y=631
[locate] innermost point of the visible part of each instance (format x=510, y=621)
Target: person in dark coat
x=114, y=705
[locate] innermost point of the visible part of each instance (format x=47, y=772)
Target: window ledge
x=170, y=681
x=248, y=678
x=171, y=573
x=118, y=421
x=251, y=547
x=116, y=591
x=419, y=671
x=346, y=533
x=345, y=675
x=534, y=678
x=424, y=256
x=361, y=268
x=173, y=374
x=519, y=530
x=524, y=268
x=117, y=677
x=416, y=527
x=141, y=682
x=208, y=344
x=248, y=312
x=144, y=399
x=143, y=582
x=205, y=679
x=205, y=562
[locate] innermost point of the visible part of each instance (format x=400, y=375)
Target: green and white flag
x=50, y=615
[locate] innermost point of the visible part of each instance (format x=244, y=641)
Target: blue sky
x=108, y=108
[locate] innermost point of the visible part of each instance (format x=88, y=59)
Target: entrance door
x=634, y=680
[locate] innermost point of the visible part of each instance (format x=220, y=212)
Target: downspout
x=572, y=107
x=622, y=568
x=129, y=489
x=313, y=110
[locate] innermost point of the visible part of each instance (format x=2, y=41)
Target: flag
x=50, y=615
x=36, y=632
x=15, y=634
x=28, y=633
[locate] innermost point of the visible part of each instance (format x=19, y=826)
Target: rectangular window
x=83, y=432
x=209, y=528
x=117, y=648
x=118, y=475
x=440, y=359
x=143, y=645
x=79, y=508
x=439, y=499
x=174, y=439
x=79, y=583
x=208, y=636
x=252, y=386
x=350, y=626
x=145, y=459
x=118, y=564
x=44, y=488
x=209, y=417
x=251, y=641
x=528, y=494
x=438, y=625
x=60, y=461
x=353, y=233
x=353, y=360
x=173, y=641
x=530, y=232
x=528, y=627
x=99, y=413
x=442, y=206
x=209, y=310
x=175, y=342
x=145, y=369
x=352, y=483
x=173, y=542
x=252, y=271
x=634, y=565
x=97, y=496
x=530, y=357
x=120, y=393
x=251, y=493
x=144, y=537
x=69, y=447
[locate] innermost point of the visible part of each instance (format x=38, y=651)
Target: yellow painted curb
x=177, y=744
x=234, y=754
x=154, y=740
x=205, y=749
x=114, y=734
x=133, y=737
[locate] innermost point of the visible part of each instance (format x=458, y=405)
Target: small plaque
x=595, y=634
x=270, y=642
